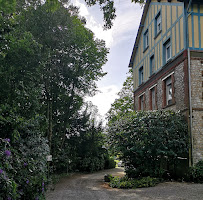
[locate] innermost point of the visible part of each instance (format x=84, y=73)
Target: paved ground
x=92, y=187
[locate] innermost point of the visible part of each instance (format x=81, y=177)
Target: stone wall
x=197, y=108
x=179, y=91
x=182, y=99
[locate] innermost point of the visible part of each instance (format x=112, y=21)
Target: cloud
x=94, y=21
x=127, y=20
x=105, y=98
x=120, y=39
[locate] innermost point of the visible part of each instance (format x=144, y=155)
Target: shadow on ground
x=93, y=187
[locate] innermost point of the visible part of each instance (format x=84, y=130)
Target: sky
x=120, y=40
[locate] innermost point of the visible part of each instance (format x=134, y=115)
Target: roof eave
x=141, y=26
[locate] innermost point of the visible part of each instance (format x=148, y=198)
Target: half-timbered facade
x=167, y=63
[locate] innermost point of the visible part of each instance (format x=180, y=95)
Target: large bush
x=196, y=172
x=23, y=166
x=149, y=142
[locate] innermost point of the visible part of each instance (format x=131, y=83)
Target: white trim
x=152, y=86
x=167, y=76
x=168, y=45
x=141, y=94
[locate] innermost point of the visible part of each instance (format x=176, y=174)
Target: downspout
x=189, y=87
x=190, y=108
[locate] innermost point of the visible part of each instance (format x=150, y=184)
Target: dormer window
x=146, y=39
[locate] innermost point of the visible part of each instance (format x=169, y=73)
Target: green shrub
x=149, y=142
x=196, y=172
x=109, y=163
x=23, y=165
x=127, y=183
x=108, y=177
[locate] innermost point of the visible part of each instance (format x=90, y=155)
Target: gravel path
x=92, y=187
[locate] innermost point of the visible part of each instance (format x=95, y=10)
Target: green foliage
x=89, y=154
x=23, y=166
x=124, y=103
x=7, y=6
x=127, y=183
x=196, y=172
x=149, y=142
x=49, y=62
x=109, y=163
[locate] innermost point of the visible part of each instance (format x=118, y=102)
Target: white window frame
x=158, y=23
x=141, y=75
x=146, y=39
x=169, y=90
x=167, y=46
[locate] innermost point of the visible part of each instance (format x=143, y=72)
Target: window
x=153, y=98
x=141, y=75
x=169, y=91
x=167, y=51
x=152, y=65
x=158, y=24
x=141, y=102
x=146, y=39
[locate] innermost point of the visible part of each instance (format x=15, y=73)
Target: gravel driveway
x=92, y=187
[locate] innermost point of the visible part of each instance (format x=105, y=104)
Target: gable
x=172, y=26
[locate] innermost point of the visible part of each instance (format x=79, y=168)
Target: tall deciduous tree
x=72, y=61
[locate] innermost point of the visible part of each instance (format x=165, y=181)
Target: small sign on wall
x=49, y=158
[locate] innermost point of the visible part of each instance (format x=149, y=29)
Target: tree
x=48, y=62
x=109, y=11
x=107, y=7
x=124, y=103
x=72, y=61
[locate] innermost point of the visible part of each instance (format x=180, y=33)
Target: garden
x=49, y=64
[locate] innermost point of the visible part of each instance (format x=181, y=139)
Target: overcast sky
x=120, y=39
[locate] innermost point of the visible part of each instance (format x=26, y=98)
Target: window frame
x=157, y=19
x=151, y=90
x=152, y=64
x=168, y=91
x=141, y=75
x=142, y=102
x=167, y=44
x=146, y=40
x=168, y=86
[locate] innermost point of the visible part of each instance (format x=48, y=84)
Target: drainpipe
x=189, y=88
x=190, y=109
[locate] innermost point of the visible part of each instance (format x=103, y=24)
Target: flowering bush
x=23, y=166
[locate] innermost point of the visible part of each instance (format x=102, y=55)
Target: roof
x=141, y=26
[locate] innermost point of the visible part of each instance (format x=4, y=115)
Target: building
x=167, y=63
